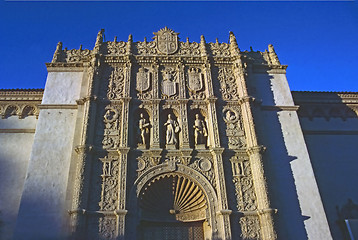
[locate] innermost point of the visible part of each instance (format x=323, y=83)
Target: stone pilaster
x=254, y=152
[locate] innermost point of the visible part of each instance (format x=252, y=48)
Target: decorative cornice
x=280, y=108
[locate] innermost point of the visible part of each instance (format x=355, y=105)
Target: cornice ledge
x=82, y=101
x=258, y=212
x=280, y=108
x=83, y=148
x=57, y=106
x=65, y=67
x=256, y=150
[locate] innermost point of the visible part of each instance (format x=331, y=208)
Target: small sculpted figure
x=172, y=127
x=200, y=131
x=144, y=126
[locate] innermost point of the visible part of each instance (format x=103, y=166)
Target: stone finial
x=57, y=53
x=234, y=48
x=203, y=46
x=129, y=44
x=99, y=41
x=273, y=55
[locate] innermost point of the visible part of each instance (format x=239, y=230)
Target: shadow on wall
x=289, y=221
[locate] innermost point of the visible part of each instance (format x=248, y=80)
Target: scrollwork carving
x=109, y=195
x=77, y=55
x=189, y=48
x=116, y=48
x=250, y=227
x=228, y=87
x=116, y=84
x=234, y=130
x=220, y=49
x=107, y=227
x=111, y=128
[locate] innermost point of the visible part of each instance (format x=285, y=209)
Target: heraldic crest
x=166, y=40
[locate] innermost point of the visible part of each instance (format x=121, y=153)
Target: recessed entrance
x=172, y=231
x=172, y=207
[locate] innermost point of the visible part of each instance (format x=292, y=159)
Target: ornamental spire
x=57, y=53
x=234, y=48
x=99, y=41
x=203, y=46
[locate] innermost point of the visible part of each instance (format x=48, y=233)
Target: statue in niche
x=172, y=128
x=200, y=132
x=144, y=126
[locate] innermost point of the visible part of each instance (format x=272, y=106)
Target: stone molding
x=20, y=102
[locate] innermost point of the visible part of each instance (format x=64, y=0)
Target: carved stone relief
x=204, y=166
x=170, y=83
x=195, y=83
x=234, y=130
x=109, y=195
x=116, y=84
x=250, y=227
x=227, y=80
x=111, y=132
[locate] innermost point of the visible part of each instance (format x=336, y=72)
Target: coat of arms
x=195, y=80
x=167, y=40
x=169, y=86
x=143, y=80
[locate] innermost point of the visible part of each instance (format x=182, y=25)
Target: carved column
x=254, y=152
x=122, y=190
x=155, y=139
x=223, y=212
x=183, y=111
x=123, y=150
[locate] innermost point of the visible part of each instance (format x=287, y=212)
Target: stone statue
x=144, y=126
x=200, y=131
x=172, y=127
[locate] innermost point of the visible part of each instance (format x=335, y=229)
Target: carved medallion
x=195, y=81
x=167, y=40
x=143, y=80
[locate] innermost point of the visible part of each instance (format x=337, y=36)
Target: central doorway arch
x=172, y=207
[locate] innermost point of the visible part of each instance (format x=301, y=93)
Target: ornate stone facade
x=167, y=138
x=167, y=111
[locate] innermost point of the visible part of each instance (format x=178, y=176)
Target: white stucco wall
x=42, y=210
x=333, y=148
x=292, y=185
x=16, y=138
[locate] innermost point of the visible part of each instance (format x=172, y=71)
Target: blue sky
x=317, y=40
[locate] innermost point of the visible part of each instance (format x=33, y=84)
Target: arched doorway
x=172, y=207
